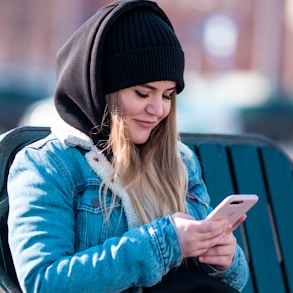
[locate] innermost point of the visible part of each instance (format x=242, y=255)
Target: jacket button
x=95, y=202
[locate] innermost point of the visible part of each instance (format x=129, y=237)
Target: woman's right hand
x=197, y=236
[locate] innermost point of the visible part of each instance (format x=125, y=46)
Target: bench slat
x=280, y=186
x=247, y=164
x=218, y=177
x=260, y=236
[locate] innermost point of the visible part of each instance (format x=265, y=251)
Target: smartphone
x=233, y=207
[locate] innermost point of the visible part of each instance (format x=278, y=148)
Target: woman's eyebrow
x=154, y=88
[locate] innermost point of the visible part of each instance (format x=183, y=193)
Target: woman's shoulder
x=189, y=158
x=51, y=153
x=185, y=151
x=47, y=146
x=64, y=141
x=51, y=157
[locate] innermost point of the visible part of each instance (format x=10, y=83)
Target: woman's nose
x=155, y=106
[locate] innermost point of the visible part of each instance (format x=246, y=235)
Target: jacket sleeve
x=42, y=236
x=237, y=274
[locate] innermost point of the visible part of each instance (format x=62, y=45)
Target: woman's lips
x=145, y=123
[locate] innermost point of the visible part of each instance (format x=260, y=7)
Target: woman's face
x=144, y=107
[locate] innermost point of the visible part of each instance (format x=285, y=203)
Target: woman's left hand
x=221, y=255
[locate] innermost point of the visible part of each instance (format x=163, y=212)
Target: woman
x=111, y=201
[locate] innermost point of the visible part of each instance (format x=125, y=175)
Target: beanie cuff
x=142, y=66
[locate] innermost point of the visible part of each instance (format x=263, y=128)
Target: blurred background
x=239, y=66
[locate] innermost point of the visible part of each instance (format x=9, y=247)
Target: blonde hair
x=153, y=174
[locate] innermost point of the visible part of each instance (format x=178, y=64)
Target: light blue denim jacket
x=57, y=235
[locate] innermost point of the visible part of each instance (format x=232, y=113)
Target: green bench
x=231, y=164
x=254, y=164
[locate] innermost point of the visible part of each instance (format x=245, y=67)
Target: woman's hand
x=212, y=242
x=222, y=254
x=197, y=238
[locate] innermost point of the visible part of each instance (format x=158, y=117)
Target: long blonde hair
x=153, y=174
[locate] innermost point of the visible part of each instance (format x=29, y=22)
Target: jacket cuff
x=166, y=242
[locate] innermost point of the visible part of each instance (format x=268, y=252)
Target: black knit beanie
x=141, y=47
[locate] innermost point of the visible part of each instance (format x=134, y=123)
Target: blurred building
x=32, y=31
x=222, y=35
x=244, y=39
x=217, y=35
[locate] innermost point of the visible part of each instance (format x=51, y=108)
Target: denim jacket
x=57, y=233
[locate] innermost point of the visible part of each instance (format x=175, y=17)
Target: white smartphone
x=233, y=207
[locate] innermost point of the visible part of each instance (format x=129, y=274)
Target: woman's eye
x=168, y=97
x=142, y=95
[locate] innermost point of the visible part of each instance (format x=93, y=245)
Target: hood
x=79, y=97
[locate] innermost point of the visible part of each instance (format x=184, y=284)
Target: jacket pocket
x=93, y=223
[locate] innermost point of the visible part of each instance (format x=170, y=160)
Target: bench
x=254, y=164
x=231, y=164
x=10, y=143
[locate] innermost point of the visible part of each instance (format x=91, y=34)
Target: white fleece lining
x=102, y=168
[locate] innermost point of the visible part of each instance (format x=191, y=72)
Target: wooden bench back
x=254, y=164
x=10, y=143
